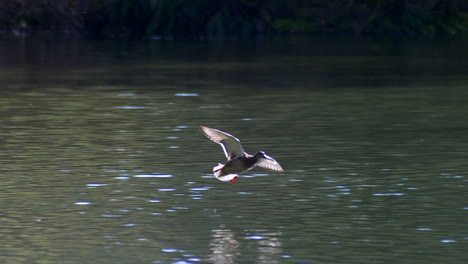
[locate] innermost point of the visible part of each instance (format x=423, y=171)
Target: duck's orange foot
x=233, y=180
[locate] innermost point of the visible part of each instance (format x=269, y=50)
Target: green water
x=103, y=162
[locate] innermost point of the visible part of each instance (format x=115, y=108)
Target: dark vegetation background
x=139, y=19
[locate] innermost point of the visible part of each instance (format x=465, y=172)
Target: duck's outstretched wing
x=231, y=145
x=269, y=163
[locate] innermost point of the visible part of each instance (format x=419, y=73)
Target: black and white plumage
x=238, y=160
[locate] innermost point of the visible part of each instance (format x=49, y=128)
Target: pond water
x=103, y=161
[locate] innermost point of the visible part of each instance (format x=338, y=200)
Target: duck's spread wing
x=270, y=164
x=231, y=145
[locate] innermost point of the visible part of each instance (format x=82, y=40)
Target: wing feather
x=230, y=144
x=269, y=164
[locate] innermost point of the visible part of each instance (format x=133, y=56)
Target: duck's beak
x=233, y=180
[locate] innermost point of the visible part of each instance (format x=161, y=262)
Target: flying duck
x=238, y=161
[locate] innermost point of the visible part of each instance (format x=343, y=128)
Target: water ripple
x=206, y=188
x=111, y=215
x=153, y=176
x=122, y=178
x=389, y=194
x=166, y=189
x=424, y=229
x=83, y=203
x=95, y=185
x=169, y=250
x=186, y=94
x=254, y=237
x=129, y=107
x=448, y=240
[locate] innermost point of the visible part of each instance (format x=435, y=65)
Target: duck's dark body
x=236, y=166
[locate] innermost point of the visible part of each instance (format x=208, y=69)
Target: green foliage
x=175, y=18
x=234, y=18
x=23, y=16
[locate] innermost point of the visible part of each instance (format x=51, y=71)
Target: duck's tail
x=218, y=169
x=231, y=178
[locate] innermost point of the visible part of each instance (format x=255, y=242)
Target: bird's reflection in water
x=269, y=248
x=225, y=245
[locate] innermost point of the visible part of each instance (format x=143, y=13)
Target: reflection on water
x=225, y=246
x=269, y=246
x=103, y=161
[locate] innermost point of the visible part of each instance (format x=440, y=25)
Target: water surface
x=103, y=161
